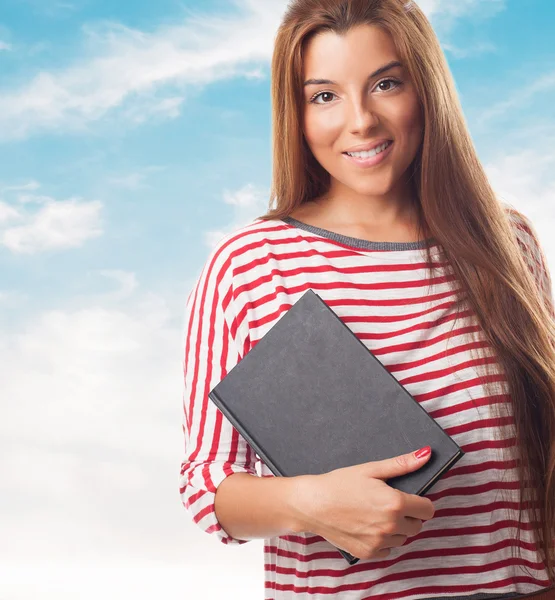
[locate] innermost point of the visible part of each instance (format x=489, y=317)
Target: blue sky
x=133, y=136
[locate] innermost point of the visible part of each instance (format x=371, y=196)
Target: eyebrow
x=387, y=67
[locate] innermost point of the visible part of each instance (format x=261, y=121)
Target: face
x=356, y=108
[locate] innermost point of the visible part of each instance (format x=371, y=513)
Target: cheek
x=321, y=127
x=410, y=121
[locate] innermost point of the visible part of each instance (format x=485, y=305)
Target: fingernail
x=423, y=452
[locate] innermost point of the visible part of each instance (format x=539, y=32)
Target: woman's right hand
x=355, y=510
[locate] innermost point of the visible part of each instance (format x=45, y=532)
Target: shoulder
x=246, y=242
x=239, y=249
x=520, y=222
x=251, y=234
x=530, y=246
x=524, y=230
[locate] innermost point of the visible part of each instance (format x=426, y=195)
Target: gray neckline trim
x=357, y=242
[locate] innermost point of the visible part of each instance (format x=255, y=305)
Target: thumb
x=399, y=465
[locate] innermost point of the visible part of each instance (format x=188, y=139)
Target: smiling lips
x=368, y=146
x=369, y=153
x=370, y=158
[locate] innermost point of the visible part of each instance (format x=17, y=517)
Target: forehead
x=365, y=47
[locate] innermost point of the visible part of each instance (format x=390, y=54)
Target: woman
x=446, y=285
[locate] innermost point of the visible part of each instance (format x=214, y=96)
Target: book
x=310, y=398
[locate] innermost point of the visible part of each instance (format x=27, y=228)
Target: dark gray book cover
x=310, y=398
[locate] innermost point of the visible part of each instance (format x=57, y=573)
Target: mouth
x=369, y=153
x=370, y=158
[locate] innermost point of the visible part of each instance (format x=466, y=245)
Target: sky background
x=133, y=136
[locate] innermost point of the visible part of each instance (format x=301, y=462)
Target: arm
x=214, y=449
x=259, y=507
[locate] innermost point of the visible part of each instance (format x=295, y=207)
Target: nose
x=361, y=116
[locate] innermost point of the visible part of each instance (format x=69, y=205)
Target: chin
x=373, y=189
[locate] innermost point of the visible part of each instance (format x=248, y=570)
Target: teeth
x=370, y=152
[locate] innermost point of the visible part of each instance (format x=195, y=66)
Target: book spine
x=438, y=475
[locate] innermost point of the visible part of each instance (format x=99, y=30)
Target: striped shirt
x=382, y=292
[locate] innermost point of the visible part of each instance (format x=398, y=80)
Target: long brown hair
x=458, y=207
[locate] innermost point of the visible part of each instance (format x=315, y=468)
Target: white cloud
x=12, y=298
x=7, y=213
x=247, y=198
x=248, y=203
x=5, y=46
x=91, y=440
x=131, y=65
x=147, y=109
x=236, y=580
x=445, y=13
x=127, y=282
x=132, y=181
x=519, y=98
x=54, y=8
x=30, y=185
x=473, y=49
x=136, y=180
x=57, y=225
x=33, y=199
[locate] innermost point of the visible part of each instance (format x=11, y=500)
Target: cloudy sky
x=132, y=138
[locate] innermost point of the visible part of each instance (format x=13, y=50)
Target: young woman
x=382, y=207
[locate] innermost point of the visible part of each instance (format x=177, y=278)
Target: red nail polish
x=423, y=452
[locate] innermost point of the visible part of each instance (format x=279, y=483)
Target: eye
x=318, y=95
x=389, y=79
x=396, y=81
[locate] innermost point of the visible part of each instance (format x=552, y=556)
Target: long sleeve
x=528, y=240
x=213, y=447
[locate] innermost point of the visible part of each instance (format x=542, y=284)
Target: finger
x=417, y=507
x=393, y=541
x=409, y=526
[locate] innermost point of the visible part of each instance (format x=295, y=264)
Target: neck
x=373, y=213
